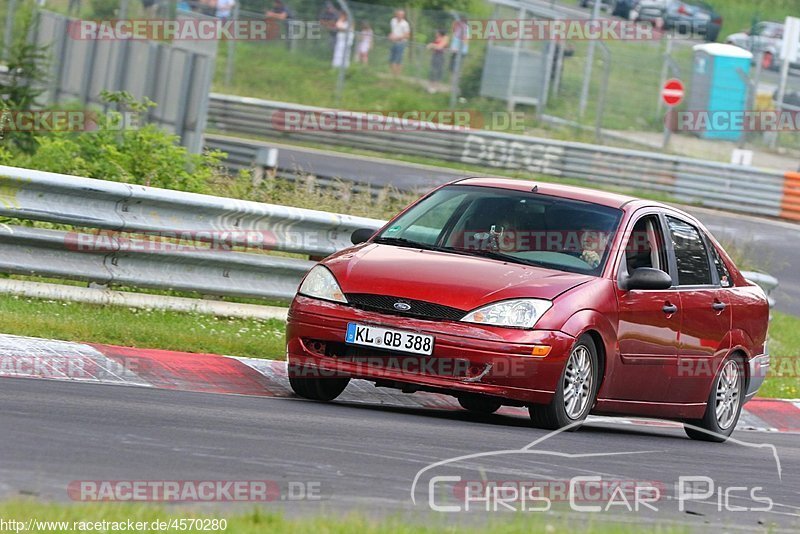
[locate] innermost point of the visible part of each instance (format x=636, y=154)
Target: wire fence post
x=666, y=66
x=601, y=99
x=587, y=71
x=344, y=60
x=8, y=38
x=512, y=79
x=455, y=90
x=231, y=50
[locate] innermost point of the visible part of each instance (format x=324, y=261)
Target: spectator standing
x=208, y=7
x=344, y=40
x=459, y=45
x=278, y=17
x=437, y=48
x=365, y=38
x=400, y=32
x=224, y=9
x=327, y=19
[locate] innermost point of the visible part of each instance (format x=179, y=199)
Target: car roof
x=585, y=194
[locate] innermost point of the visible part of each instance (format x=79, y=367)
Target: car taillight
x=717, y=21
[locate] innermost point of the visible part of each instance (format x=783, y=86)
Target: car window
x=425, y=225
x=691, y=254
x=645, y=246
x=722, y=269
x=518, y=226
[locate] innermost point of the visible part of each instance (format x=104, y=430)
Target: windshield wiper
x=403, y=242
x=496, y=256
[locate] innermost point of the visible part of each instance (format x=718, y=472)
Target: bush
x=144, y=156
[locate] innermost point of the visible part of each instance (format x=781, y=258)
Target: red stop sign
x=672, y=92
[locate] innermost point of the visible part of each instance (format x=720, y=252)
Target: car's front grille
x=416, y=308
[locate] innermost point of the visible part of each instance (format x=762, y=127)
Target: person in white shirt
x=399, y=35
x=224, y=9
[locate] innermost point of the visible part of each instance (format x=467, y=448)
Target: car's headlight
x=320, y=284
x=518, y=313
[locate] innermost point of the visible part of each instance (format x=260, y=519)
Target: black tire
x=479, y=404
x=318, y=389
x=713, y=426
x=555, y=415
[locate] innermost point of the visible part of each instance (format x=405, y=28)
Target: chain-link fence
x=311, y=60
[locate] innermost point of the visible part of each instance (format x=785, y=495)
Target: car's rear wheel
x=724, y=404
x=478, y=404
x=576, y=391
x=319, y=389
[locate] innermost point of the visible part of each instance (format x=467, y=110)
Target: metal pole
x=781, y=94
x=587, y=71
x=556, y=87
x=601, y=99
x=512, y=78
x=346, y=53
x=123, y=9
x=665, y=68
x=549, y=61
x=752, y=93
x=8, y=37
x=231, y=49
x=455, y=80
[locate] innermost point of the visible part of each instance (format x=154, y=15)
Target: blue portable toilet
x=719, y=86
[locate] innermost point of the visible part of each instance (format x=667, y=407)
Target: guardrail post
x=264, y=164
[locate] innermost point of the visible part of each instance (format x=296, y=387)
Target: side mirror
x=361, y=235
x=646, y=278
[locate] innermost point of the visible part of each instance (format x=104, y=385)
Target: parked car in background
x=605, y=5
x=567, y=301
x=766, y=37
x=688, y=17
x=623, y=8
x=791, y=99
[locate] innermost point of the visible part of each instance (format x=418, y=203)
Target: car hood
x=456, y=280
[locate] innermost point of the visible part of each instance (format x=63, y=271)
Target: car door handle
x=719, y=306
x=669, y=309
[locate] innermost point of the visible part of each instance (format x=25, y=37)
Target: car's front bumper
x=466, y=358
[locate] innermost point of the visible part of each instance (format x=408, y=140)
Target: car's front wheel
x=319, y=389
x=724, y=405
x=576, y=391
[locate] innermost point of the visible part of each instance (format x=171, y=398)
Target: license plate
x=388, y=338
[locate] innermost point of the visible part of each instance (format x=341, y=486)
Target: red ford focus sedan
x=564, y=300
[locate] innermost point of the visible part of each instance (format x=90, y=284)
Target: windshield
x=515, y=226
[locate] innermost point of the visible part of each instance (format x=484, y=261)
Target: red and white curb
x=26, y=357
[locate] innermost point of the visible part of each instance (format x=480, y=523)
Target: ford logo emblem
x=402, y=306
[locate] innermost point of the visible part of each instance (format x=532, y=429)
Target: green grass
x=783, y=380
x=72, y=321
x=262, y=520
x=264, y=339
x=738, y=15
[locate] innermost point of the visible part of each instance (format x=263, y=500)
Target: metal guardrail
x=719, y=185
x=123, y=256
x=236, y=232
x=767, y=282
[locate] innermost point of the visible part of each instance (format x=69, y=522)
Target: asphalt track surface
x=366, y=457
x=772, y=245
